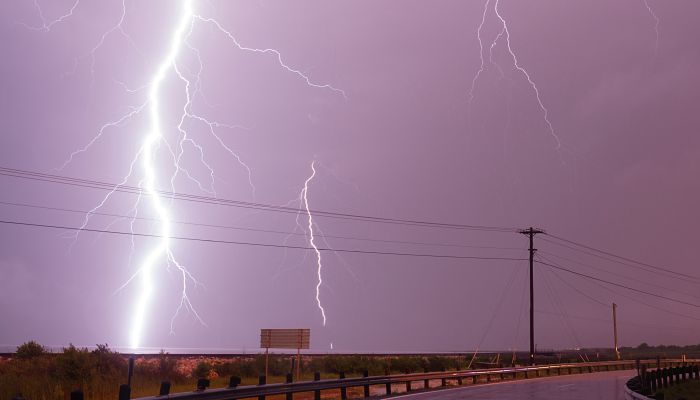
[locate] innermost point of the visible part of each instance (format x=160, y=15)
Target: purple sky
x=405, y=143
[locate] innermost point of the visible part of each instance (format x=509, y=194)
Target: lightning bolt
x=156, y=140
x=504, y=37
x=657, y=21
x=312, y=240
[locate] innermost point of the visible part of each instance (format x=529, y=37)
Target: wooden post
x=298, y=364
x=289, y=379
x=125, y=392
x=365, y=374
x=343, y=390
x=317, y=393
x=614, y=309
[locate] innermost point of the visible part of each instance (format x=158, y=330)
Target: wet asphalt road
x=602, y=385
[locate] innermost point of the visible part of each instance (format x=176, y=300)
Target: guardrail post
x=317, y=393
x=426, y=382
x=234, y=381
x=124, y=392
x=408, y=382
x=202, y=384
x=343, y=389
x=164, y=389
x=443, y=381
x=652, y=381
x=77, y=395
x=262, y=381
x=365, y=374
x=474, y=379
x=289, y=379
x=387, y=388
x=658, y=362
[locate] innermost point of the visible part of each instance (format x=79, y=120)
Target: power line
x=255, y=229
x=616, y=274
x=617, y=284
x=620, y=262
x=31, y=175
x=607, y=253
x=577, y=290
x=645, y=303
x=423, y=255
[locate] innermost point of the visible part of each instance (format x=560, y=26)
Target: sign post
x=285, y=339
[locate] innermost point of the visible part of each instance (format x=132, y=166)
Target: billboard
x=285, y=338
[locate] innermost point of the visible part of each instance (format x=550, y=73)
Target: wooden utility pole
x=531, y=232
x=617, y=352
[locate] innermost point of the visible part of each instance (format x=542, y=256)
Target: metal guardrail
x=474, y=376
x=651, y=382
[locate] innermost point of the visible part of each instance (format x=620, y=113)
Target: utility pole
x=531, y=232
x=617, y=352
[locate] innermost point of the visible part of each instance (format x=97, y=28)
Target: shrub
x=202, y=370
x=30, y=349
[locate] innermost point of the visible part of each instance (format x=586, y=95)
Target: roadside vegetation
x=37, y=374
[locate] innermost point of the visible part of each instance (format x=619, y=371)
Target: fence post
x=289, y=379
x=262, y=380
x=365, y=374
x=343, y=389
x=317, y=393
x=124, y=392
x=164, y=389
x=203, y=384
x=234, y=381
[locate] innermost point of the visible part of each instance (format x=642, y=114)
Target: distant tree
x=643, y=346
x=30, y=349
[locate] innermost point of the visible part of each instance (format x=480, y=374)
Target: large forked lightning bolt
x=155, y=139
x=150, y=143
x=312, y=242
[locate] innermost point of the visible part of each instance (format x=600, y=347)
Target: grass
x=688, y=390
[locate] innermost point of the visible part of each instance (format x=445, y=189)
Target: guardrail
x=405, y=380
x=647, y=383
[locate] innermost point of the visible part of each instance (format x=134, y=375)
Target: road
x=601, y=385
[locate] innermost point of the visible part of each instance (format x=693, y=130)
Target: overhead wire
x=553, y=265
x=656, y=285
x=269, y=245
x=38, y=176
x=131, y=217
x=620, y=259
